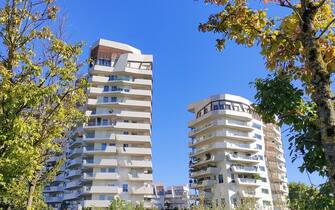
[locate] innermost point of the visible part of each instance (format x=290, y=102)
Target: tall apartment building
x=111, y=154
x=275, y=161
x=227, y=162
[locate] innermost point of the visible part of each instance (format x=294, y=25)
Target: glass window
x=266, y=203
x=111, y=170
x=101, y=197
x=103, y=146
x=90, y=134
x=105, y=99
x=106, y=88
x=125, y=188
x=265, y=191
x=113, y=99
x=105, y=122
x=259, y=147
x=258, y=136
x=262, y=168
x=263, y=179
x=220, y=178
x=112, y=77
x=257, y=126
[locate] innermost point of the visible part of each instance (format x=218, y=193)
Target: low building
x=173, y=197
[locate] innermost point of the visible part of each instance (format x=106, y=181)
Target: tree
x=299, y=53
x=302, y=197
x=39, y=98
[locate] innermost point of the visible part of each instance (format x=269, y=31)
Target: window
x=262, y=168
x=106, y=88
x=260, y=157
x=101, y=197
x=103, y=146
x=125, y=145
x=125, y=188
x=112, y=77
x=111, y=170
x=265, y=191
x=114, y=88
x=220, y=178
x=90, y=134
x=258, y=136
x=105, y=99
x=257, y=126
x=113, y=99
x=263, y=179
x=103, y=170
x=259, y=147
x=267, y=203
x=125, y=132
x=104, y=122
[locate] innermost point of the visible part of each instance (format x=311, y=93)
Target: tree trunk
x=322, y=94
x=32, y=186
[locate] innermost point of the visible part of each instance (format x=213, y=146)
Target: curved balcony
x=100, y=176
x=141, y=190
x=100, y=163
x=73, y=173
x=245, y=169
x=243, y=159
x=208, y=171
x=71, y=195
x=53, y=199
x=99, y=151
x=101, y=189
x=219, y=135
x=75, y=152
x=119, y=113
x=95, y=91
x=119, y=125
x=140, y=177
x=228, y=123
x=72, y=184
x=202, y=162
x=223, y=145
x=249, y=194
x=120, y=103
x=248, y=182
x=136, y=163
x=73, y=162
x=53, y=189
x=244, y=116
x=128, y=81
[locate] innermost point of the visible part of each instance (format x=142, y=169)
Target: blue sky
x=187, y=67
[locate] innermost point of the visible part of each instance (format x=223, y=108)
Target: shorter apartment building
x=173, y=197
x=227, y=161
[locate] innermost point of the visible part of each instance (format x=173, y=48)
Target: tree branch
x=325, y=29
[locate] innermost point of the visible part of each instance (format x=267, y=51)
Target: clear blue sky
x=187, y=67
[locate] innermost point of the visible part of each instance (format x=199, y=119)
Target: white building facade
x=227, y=161
x=111, y=154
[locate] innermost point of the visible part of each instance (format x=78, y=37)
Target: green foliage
x=304, y=197
x=39, y=98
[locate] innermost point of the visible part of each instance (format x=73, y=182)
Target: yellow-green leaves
x=40, y=96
